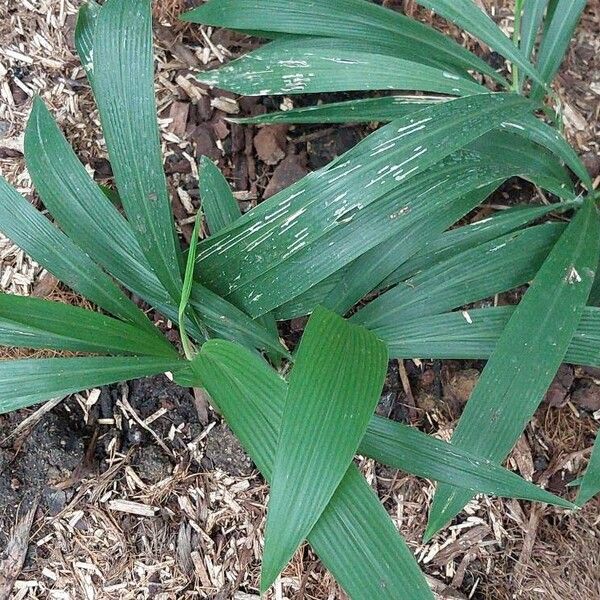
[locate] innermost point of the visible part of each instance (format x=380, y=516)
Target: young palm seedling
x=375, y=220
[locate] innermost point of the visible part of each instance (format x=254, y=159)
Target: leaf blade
x=333, y=390
x=506, y=398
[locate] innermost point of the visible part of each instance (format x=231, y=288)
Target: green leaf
x=474, y=333
x=528, y=354
x=93, y=222
x=496, y=266
x=124, y=90
x=49, y=247
x=218, y=203
x=314, y=224
x=84, y=36
x=590, y=484
x=333, y=390
x=467, y=237
x=26, y=382
x=252, y=397
x=466, y=14
x=35, y=323
x=363, y=110
x=316, y=65
x=346, y=19
x=533, y=16
x=375, y=562
x=83, y=211
x=410, y=450
x=556, y=39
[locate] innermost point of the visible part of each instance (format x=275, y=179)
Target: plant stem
x=188, y=347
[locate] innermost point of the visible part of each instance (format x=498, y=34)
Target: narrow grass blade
x=491, y=268
x=363, y=110
x=527, y=356
x=374, y=561
x=124, y=90
x=317, y=65
x=49, y=247
x=557, y=37
x=471, y=18
x=35, y=323
x=328, y=206
x=333, y=390
x=590, y=484
x=346, y=19
x=26, y=382
x=474, y=333
x=218, y=204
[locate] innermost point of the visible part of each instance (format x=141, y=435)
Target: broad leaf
x=474, y=333
x=26, y=382
x=84, y=36
x=124, y=90
x=363, y=110
x=49, y=247
x=557, y=36
x=92, y=221
x=488, y=269
x=466, y=14
x=533, y=16
x=375, y=563
x=36, y=323
x=333, y=390
x=316, y=65
x=528, y=354
x=331, y=205
x=356, y=20
x=219, y=206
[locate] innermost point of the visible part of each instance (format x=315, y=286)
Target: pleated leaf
x=327, y=206
x=26, y=382
x=474, y=333
x=49, y=247
x=376, y=564
x=557, y=37
x=363, y=110
x=590, y=484
x=467, y=237
x=469, y=16
x=531, y=21
x=93, y=222
x=333, y=390
x=527, y=356
x=317, y=65
x=124, y=89
x=35, y=323
x=219, y=206
x=491, y=268
x=356, y=20
x=84, y=36
x=373, y=561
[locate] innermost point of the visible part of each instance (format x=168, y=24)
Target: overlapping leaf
x=25, y=382
x=355, y=20
x=308, y=224
x=36, y=323
x=333, y=390
x=528, y=354
x=123, y=75
x=474, y=333
x=312, y=65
